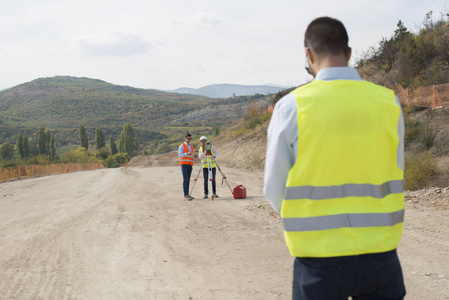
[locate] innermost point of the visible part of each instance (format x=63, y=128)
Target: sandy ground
x=127, y=234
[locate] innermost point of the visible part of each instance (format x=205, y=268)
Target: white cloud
x=114, y=43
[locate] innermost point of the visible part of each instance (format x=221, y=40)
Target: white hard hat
x=203, y=138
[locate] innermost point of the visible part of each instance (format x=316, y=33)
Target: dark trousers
x=363, y=277
x=206, y=181
x=186, y=173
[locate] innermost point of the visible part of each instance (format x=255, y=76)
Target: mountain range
x=227, y=90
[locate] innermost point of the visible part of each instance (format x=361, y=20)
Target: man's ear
x=348, y=57
x=309, y=54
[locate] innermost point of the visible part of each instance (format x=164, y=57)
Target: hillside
x=62, y=103
x=230, y=90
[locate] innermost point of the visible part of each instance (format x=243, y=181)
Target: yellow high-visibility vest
x=344, y=195
x=204, y=162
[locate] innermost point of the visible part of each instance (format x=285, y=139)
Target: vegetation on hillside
x=410, y=59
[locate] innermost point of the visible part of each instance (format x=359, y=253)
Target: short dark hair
x=188, y=134
x=326, y=35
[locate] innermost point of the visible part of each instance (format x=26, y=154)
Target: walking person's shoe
x=216, y=196
x=205, y=196
x=188, y=198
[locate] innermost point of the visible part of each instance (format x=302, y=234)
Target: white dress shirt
x=181, y=150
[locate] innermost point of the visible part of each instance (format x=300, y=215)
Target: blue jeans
x=364, y=277
x=186, y=172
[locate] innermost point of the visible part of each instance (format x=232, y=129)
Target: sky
x=169, y=44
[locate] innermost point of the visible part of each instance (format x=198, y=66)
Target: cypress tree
x=99, y=139
x=41, y=141
x=20, y=146
x=112, y=145
x=126, y=142
x=121, y=142
x=83, y=137
x=130, y=142
x=26, y=146
x=47, y=141
x=52, y=147
x=34, y=149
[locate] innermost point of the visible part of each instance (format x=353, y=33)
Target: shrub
x=255, y=116
x=412, y=129
x=418, y=170
x=110, y=162
x=102, y=153
x=6, y=151
x=43, y=160
x=428, y=137
x=117, y=160
x=8, y=163
x=81, y=155
x=121, y=158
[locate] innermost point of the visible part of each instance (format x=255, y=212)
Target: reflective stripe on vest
x=205, y=162
x=346, y=190
x=344, y=195
x=343, y=220
x=186, y=160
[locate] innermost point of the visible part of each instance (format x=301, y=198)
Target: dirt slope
x=127, y=234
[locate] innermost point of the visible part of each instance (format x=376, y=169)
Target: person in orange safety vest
x=186, y=158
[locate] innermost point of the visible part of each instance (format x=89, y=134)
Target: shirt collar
x=338, y=73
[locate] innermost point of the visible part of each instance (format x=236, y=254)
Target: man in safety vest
x=185, y=154
x=334, y=170
x=201, y=155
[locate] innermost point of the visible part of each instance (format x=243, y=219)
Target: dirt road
x=127, y=234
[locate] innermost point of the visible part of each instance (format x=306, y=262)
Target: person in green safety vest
x=334, y=170
x=202, y=155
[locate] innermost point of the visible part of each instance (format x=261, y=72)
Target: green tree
x=112, y=145
x=99, y=139
x=20, y=146
x=401, y=33
x=83, y=138
x=6, y=151
x=42, y=141
x=127, y=143
x=47, y=141
x=121, y=142
x=52, y=147
x=26, y=146
x=34, y=150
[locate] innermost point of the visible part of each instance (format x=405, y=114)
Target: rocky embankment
x=437, y=198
